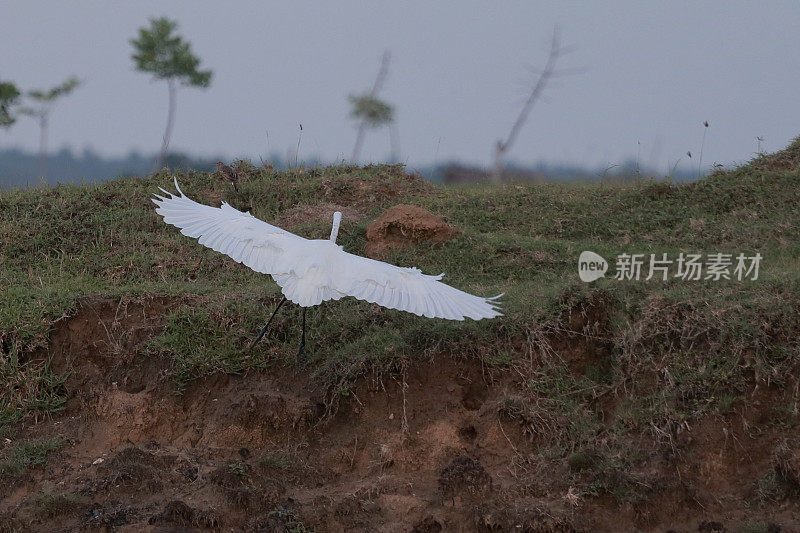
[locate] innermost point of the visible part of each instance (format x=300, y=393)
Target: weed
x=277, y=462
x=17, y=460
x=602, y=473
x=758, y=526
x=238, y=469
x=290, y=519
x=580, y=460
x=50, y=505
x=726, y=402
x=501, y=358
x=28, y=388
x=783, y=479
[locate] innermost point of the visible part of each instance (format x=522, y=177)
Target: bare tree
x=370, y=111
x=44, y=101
x=545, y=75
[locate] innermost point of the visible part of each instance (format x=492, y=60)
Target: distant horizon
x=219, y=155
x=19, y=167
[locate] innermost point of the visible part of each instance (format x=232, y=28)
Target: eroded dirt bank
x=432, y=448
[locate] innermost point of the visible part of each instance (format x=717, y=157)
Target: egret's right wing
x=241, y=236
x=407, y=289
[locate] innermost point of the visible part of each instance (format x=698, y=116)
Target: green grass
x=670, y=351
x=238, y=469
x=755, y=526
x=30, y=387
x=277, y=461
x=16, y=461
x=291, y=521
x=48, y=504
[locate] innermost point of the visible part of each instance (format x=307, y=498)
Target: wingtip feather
x=175, y=179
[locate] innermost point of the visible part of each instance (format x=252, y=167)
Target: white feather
x=311, y=271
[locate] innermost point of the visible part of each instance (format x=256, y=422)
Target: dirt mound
x=404, y=225
x=465, y=476
x=177, y=513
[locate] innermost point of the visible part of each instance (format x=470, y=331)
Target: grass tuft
x=16, y=461
x=48, y=504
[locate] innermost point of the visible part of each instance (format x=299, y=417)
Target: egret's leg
x=264, y=329
x=303, y=338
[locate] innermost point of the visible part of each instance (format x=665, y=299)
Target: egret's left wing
x=406, y=289
x=261, y=246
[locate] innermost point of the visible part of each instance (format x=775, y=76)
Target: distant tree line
x=546, y=172
x=18, y=168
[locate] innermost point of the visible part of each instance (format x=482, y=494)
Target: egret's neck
x=337, y=219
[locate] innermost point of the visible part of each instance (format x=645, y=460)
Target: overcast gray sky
x=654, y=73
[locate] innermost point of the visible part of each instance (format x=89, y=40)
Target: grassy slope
x=678, y=350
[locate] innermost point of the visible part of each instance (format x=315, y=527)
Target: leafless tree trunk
x=173, y=97
x=43, y=123
x=544, y=77
x=376, y=87
x=394, y=144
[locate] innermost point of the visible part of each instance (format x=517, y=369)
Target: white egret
x=311, y=271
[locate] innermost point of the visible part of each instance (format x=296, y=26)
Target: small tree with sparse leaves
x=9, y=96
x=167, y=56
x=43, y=105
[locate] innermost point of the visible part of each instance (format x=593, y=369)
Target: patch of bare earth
x=315, y=214
x=424, y=451
x=364, y=193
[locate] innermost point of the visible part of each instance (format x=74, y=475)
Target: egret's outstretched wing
x=312, y=271
x=407, y=289
x=248, y=240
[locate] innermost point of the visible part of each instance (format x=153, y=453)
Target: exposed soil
x=364, y=193
x=425, y=451
x=305, y=214
x=403, y=225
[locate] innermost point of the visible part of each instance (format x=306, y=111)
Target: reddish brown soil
x=403, y=225
x=426, y=451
